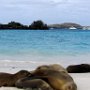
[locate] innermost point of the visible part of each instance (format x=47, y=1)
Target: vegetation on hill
x=13, y=25
x=16, y=25
x=39, y=25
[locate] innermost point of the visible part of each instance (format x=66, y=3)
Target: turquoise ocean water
x=47, y=46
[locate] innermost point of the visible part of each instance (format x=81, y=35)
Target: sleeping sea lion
x=7, y=79
x=57, y=80
x=53, y=76
x=33, y=83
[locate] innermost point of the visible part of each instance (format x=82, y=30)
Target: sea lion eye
x=69, y=88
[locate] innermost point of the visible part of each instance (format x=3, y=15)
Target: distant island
x=66, y=26
x=40, y=25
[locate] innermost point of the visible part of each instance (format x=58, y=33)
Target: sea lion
x=80, y=68
x=34, y=80
x=7, y=79
x=57, y=80
x=48, y=75
x=33, y=83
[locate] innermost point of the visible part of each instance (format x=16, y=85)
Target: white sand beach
x=82, y=80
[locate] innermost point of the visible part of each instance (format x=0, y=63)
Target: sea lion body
x=51, y=76
x=80, y=68
x=33, y=83
x=57, y=80
x=7, y=79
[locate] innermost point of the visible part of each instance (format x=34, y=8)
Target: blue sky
x=50, y=11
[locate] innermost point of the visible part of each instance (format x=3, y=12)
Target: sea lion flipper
x=33, y=83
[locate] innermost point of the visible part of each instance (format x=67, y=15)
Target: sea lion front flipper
x=33, y=83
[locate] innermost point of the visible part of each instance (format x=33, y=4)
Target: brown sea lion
x=33, y=83
x=56, y=67
x=29, y=82
x=7, y=79
x=57, y=80
x=80, y=68
x=52, y=76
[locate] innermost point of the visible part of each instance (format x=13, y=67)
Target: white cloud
x=31, y=2
x=49, y=10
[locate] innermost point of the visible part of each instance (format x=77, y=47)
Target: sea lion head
x=55, y=67
x=22, y=74
x=43, y=67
